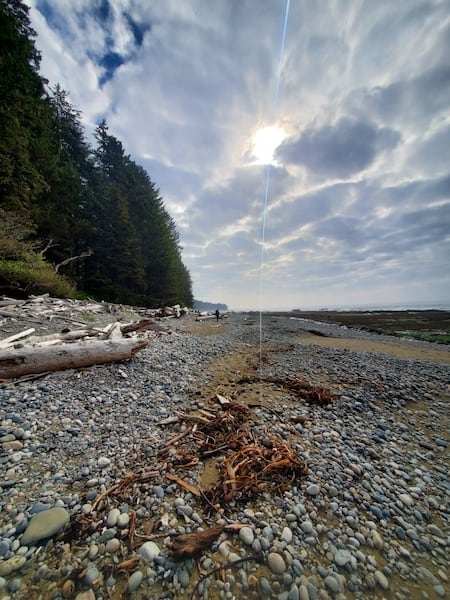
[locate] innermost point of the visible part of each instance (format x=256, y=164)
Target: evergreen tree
x=63, y=210
x=55, y=186
x=21, y=108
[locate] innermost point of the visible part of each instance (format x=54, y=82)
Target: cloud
x=340, y=150
x=357, y=209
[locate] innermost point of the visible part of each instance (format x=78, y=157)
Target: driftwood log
x=22, y=354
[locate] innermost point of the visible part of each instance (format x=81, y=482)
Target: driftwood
x=37, y=359
x=23, y=354
x=45, y=308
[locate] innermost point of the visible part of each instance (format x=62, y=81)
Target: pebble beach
x=370, y=518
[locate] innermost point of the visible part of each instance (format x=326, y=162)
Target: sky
x=302, y=147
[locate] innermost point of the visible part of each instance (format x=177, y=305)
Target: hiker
x=217, y=314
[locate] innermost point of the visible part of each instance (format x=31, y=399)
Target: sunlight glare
x=265, y=141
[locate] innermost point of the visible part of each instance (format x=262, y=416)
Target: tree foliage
x=73, y=197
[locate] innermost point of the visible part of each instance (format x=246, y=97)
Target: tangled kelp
x=270, y=465
x=311, y=394
x=250, y=465
x=190, y=544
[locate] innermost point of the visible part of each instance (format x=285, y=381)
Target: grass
x=435, y=337
x=88, y=318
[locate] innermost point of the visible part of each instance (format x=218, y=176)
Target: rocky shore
x=90, y=506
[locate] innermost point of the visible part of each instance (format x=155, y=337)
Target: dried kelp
x=227, y=429
x=190, y=544
x=128, y=489
x=250, y=465
x=304, y=390
x=271, y=465
x=184, y=484
x=118, y=490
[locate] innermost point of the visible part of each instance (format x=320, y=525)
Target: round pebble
x=276, y=563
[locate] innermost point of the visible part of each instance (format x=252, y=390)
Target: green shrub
x=31, y=274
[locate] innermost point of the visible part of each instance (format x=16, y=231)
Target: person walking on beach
x=217, y=314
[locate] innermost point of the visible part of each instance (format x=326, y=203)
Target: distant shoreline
x=428, y=325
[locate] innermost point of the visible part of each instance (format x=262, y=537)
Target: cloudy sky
x=302, y=148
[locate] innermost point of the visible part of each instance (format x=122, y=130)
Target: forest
x=77, y=219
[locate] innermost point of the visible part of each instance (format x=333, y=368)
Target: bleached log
x=8, y=313
x=18, y=336
x=206, y=318
x=11, y=302
x=69, y=336
x=15, y=362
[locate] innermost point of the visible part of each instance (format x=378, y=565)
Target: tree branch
x=72, y=258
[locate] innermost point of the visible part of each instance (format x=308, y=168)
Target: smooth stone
x=44, y=525
x=123, y=520
x=434, y=530
x=412, y=534
x=440, y=591
x=381, y=579
x=103, y=462
x=376, y=512
x=290, y=517
x=112, y=545
x=91, y=575
x=39, y=507
x=183, y=578
x=12, y=564
x=303, y=592
x=158, y=491
x=148, y=551
x=286, y=535
x=4, y=547
x=377, y=539
x=406, y=499
x=342, y=557
x=107, y=535
x=247, y=536
x=233, y=557
x=276, y=563
x=306, y=526
x=113, y=515
x=313, y=489
x=135, y=581
x=264, y=586
x=332, y=584
x=294, y=593
x=224, y=548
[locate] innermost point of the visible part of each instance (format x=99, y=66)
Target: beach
x=356, y=504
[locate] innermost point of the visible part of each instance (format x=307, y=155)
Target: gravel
x=370, y=519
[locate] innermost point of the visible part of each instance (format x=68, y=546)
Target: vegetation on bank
x=76, y=218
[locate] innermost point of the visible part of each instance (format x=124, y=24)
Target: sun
x=265, y=141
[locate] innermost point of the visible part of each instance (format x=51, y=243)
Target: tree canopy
x=64, y=198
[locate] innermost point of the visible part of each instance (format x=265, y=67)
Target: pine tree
x=21, y=107
x=55, y=186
